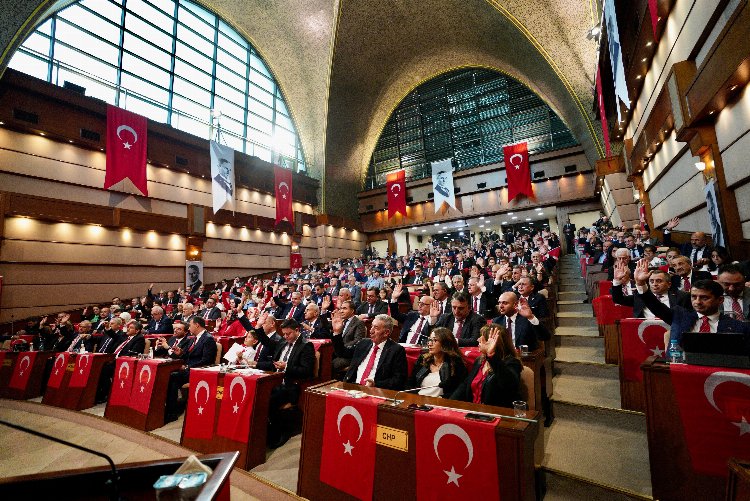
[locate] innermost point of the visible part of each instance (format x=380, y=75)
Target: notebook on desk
x=722, y=349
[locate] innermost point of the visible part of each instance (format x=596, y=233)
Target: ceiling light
x=514, y=217
x=460, y=233
x=710, y=113
x=539, y=208
x=510, y=213
x=70, y=140
x=2, y=123
x=424, y=231
x=649, y=44
x=42, y=134
x=701, y=166
x=440, y=231
x=644, y=59
x=730, y=90
x=413, y=227
x=436, y=224
x=528, y=219
x=639, y=77
x=481, y=226
x=445, y=227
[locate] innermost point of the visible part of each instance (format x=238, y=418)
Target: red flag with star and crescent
x=283, y=182
x=143, y=385
x=127, y=135
x=640, y=339
x=22, y=371
x=714, y=406
x=122, y=381
x=201, y=405
x=348, y=459
x=59, y=364
x=80, y=376
x=396, y=187
x=517, y=170
x=237, y=407
x=456, y=457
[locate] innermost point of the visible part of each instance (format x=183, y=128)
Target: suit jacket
x=183, y=343
x=524, y=331
x=500, y=388
x=636, y=300
x=470, y=332
x=408, y=322
x=299, y=313
x=163, y=326
x=538, y=305
x=300, y=363
x=686, y=249
x=135, y=346
x=381, y=307
x=683, y=319
x=320, y=329
x=268, y=345
x=76, y=343
x=391, y=370
x=109, y=342
x=452, y=374
x=356, y=292
x=695, y=276
x=354, y=331
x=213, y=313
x=487, y=303
x=202, y=351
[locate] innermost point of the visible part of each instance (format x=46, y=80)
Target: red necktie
x=704, y=325
x=119, y=348
x=257, y=353
x=291, y=313
x=510, y=327
x=417, y=332
x=370, y=364
x=686, y=284
x=737, y=308
x=192, y=345
x=460, y=324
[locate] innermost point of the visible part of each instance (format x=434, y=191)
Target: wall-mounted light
x=701, y=166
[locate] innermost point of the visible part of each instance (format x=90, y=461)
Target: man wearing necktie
x=736, y=294
x=415, y=324
x=462, y=321
x=373, y=306
x=83, y=339
x=659, y=283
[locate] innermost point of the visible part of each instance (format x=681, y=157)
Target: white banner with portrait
x=222, y=176
x=193, y=276
x=615, y=56
x=714, y=217
x=442, y=183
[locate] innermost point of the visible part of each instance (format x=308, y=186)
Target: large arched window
x=467, y=115
x=172, y=61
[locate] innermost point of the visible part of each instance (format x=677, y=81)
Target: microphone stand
x=396, y=402
x=113, y=482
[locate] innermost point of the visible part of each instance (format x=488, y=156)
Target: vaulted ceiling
x=344, y=65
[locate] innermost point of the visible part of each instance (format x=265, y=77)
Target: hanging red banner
x=396, y=187
x=283, y=183
x=236, y=410
x=517, y=170
x=126, y=148
x=201, y=405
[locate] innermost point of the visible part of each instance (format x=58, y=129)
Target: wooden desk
x=6, y=371
x=253, y=452
x=738, y=483
x=34, y=385
x=672, y=475
x=82, y=397
x=395, y=471
x=155, y=417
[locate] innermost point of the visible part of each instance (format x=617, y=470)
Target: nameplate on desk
x=219, y=392
x=7, y=362
x=70, y=367
x=393, y=438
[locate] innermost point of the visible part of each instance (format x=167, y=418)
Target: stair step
x=589, y=331
x=573, y=287
x=563, y=486
x=587, y=384
x=622, y=464
x=580, y=353
x=573, y=341
x=571, y=296
x=579, y=307
x=575, y=319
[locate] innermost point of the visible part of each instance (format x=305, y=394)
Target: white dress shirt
x=363, y=365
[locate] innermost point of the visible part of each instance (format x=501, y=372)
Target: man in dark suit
x=200, y=353
x=314, y=326
x=481, y=302
x=212, y=312
x=267, y=336
x=159, y=323
x=415, y=325
x=179, y=342
x=686, y=274
x=378, y=361
x=293, y=309
x=295, y=357
x=659, y=283
x=569, y=229
x=418, y=277
x=706, y=298
x=351, y=331
x=698, y=250
x=373, y=306
x=736, y=294
x=462, y=321
x=112, y=337
x=134, y=343
x=635, y=250
x=83, y=339
x=519, y=320
x=537, y=302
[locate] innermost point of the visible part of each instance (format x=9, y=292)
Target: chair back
x=527, y=387
x=148, y=347
x=316, y=367
x=218, y=353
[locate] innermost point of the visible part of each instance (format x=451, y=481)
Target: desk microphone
x=397, y=402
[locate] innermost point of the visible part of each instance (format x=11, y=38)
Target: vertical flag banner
x=22, y=370
x=201, y=405
x=615, y=55
x=236, y=410
x=126, y=150
x=283, y=183
x=59, y=366
x=602, y=111
x=442, y=183
x=714, y=216
x=82, y=370
x=122, y=382
x=222, y=176
x=143, y=385
x=396, y=186
x=517, y=170
x=295, y=260
x=653, y=9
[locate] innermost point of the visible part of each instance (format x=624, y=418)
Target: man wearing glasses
x=416, y=324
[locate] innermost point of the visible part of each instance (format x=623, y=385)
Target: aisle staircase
x=594, y=449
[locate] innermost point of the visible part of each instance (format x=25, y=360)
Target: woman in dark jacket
x=496, y=376
x=442, y=365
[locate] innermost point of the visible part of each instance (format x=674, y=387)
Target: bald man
x=698, y=250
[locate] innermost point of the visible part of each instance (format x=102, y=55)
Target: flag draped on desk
x=714, y=406
x=143, y=385
x=222, y=176
x=59, y=365
x=396, y=187
x=640, y=340
x=122, y=381
x=126, y=150
x=22, y=371
x=80, y=377
x=236, y=410
x=517, y=170
x=348, y=459
x=456, y=457
x=283, y=183
x=201, y=405
x=442, y=184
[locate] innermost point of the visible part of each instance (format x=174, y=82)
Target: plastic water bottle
x=150, y=353
x=675, y=352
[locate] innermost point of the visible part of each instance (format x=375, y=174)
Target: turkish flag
x=236, y=407
x=317, y=343
x=127, y=135
x=143, y=385
x=80, y=377
x=201, y=405
x=396, y=186
x=122, y=381
x=58, y=369
x=714, y=408
x=517, y=170
x=283, y=183
x=22, y=371
x=295, y=260
x=602, y=112
x=348, y=460
x=456, y=457
x=640, y=340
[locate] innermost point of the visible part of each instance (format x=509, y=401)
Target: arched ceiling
x=344, y=65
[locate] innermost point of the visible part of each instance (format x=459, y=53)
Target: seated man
x=527, y=290
x=268, y=337
x=462, y=321
x=736, y=294
x=686, y=274
x=159, y=323
x=293, y=309
x=373, y=305
x=175, y=346
x=351, y=329
x=211, y=312
x=376, y=362
x=83, y=339
x=112, y=337
x=415, y=324
x=519, y=320
x=314, y=326
x=658, y=281
x=200, y=353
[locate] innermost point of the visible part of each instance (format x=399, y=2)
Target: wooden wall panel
x=74, y=274
x=49, y=252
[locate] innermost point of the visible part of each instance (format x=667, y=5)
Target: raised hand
x=337, y=323
x=326, y=303
x=621, y=272
x=641, y=272
x=435, y=309
x=492, y=341
x=672, y=223
x=524, y=309
x=397, y=292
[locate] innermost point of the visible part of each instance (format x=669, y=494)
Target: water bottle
x=150, y=353
x=675, y=352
